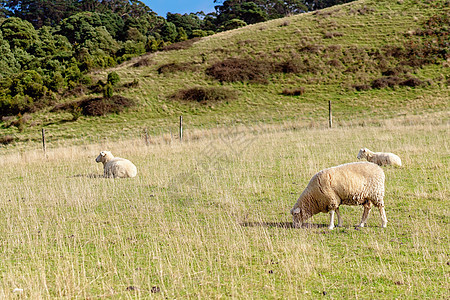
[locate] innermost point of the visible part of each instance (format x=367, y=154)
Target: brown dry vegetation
x=181, y=45
x=293, y=91
x=98, y=106
x=176, y=67
x=205, y=95
x=240, y=69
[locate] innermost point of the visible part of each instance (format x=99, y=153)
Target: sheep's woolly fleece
x=380, y=158
x=116, y=166
x=359, y=183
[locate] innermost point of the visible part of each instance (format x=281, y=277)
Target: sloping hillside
x=373, y=59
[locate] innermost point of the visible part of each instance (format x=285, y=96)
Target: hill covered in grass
x=373, y=59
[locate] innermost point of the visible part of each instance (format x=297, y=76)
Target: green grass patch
x=204, y=214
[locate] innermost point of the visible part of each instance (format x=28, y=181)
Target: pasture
x=209, y=217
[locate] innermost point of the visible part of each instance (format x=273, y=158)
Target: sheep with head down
x=359, y=183
x=380, y=158
x=115, y=166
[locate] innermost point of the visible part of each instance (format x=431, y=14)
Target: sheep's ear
x=102, y=153
x=296, y=211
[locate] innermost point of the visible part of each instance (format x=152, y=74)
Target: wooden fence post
x=146, y=137
x=43, y=140
x=181, y=128
x=330, y=118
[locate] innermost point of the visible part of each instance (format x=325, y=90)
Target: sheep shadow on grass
x=287, y=225
x=290, y=225
x=268, y=224
x=88, y=176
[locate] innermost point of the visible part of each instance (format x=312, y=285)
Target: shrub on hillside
x=113, y=78
x=181, y=45
x=205, y=94
x=108, y=91
x=387, y=81
x=98, y=106
x=131, y=84
x=330, y=35
x=198, y=33
x=334, y=63
x=361, y=87
x=412, y=82
x=20, y=122
x=77, y=91
x=239, y=69
x=143, y=62
x=297, y=66
x=6, y=139
x=310, y=48
x=391, y=81
x=293, y=91
x=398, y=70
x=175, y=67
x=290, y=66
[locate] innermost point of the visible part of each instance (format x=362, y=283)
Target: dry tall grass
x=209, y=218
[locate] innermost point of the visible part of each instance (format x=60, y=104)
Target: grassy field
x=209, y=218
x=340, y=47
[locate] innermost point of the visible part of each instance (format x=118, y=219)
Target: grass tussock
x=330, y=35
x=205, y=94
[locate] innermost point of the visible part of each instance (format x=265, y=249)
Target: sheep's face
x=102, y=156
x=297, y=217
x=362, y=153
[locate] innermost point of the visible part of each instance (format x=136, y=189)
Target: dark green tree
x=148, y=25
x=181, y=34
x=169, y=32
x=249, y=12
x=19, y=33
x=50, y=44
x=86, y=30
x=232, y=24
x=8, y=63
x=40, y=13
x=113, y=78
x=188, y=22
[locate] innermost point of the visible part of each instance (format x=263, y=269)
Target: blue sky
x=162, y=7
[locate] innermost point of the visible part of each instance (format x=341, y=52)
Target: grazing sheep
x=116, y=166
x=380, y=158
x=359, y=183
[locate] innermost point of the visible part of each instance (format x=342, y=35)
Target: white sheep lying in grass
x=380, y=158
x=116, y=166
x=359, y=183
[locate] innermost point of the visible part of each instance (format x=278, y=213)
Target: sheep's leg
x=383, y=216
x=331, y=220
x=339, y=218
x=365, y=215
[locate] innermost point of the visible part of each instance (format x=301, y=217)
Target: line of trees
x=47, y=47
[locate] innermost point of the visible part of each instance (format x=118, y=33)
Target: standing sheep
x=380, y=158
x=116, y=166
x=359, y=183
